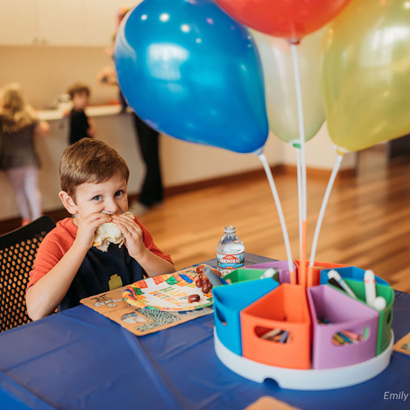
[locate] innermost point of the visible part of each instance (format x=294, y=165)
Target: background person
x=18, y=157
x=152, y=191
x=80, y=125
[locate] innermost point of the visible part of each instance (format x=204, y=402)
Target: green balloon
x=366, y=73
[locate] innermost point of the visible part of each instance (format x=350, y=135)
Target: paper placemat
x=140, y=321
x=270, y=403
x=168, y=292
x=403, y=345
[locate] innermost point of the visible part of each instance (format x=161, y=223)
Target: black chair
x=18, y=250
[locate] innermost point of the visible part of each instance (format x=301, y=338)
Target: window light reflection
x=382, y=46
x=166, y=60
x=185, y=28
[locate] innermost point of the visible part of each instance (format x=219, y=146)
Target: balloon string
x=302, y=165
x=299, y=177
x=321, y=215
x=268, y=172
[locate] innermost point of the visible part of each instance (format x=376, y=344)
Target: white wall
x=182, y=162
x=320, y=153
x=45, y=72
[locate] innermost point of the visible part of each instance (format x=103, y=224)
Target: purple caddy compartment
x=281, y=266
x=344, y=315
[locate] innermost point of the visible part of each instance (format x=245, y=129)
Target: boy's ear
x=68, y=202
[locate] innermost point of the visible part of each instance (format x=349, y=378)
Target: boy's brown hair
x=90, y=160
x=78, y=87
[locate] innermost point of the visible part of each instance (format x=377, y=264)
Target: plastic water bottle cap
x=229, y=229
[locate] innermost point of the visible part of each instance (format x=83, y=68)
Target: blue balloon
x=190, y=71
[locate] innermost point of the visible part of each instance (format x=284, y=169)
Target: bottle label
x=231, y=261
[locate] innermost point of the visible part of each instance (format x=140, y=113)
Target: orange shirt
x=59, y=241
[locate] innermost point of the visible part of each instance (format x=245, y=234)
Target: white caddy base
x=296, y=379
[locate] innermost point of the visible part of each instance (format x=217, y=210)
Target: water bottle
x=230, y=252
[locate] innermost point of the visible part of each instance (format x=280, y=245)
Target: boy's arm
x=91, y=127
x=107, y=76
x=42, y=129
x=134, y=241
x=154, y=264
x=47, y=293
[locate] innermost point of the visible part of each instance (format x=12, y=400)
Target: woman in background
x=18, y=158
x=152, y=191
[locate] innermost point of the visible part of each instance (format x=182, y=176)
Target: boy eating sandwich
x=68, y=267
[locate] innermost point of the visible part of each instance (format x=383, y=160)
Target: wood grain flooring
x=367, y=222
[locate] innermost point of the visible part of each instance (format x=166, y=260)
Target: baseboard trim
x=8, y=225
x=318, y=173
x=281, y=169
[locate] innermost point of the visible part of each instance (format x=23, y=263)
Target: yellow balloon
x=366, y=73
x=280, y=89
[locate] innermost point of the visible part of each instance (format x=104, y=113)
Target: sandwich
x=109, y=233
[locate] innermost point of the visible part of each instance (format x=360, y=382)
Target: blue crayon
x=344, y=337
x=284, y=337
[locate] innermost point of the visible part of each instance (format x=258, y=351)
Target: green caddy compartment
x=244, y=274
x=386, y=315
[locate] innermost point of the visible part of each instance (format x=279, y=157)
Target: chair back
x=18, y=250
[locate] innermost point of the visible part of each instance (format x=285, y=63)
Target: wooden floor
x=367, y=223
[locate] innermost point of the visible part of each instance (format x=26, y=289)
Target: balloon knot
x=294, y=41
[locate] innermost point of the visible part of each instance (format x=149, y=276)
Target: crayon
x=335, y=283
x=338, y=339
x=344, y=337
x=271, y=333
x=284, y=337
x=355, y=337
x=335, y=274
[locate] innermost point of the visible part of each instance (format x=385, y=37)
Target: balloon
x=366, y=73
x=291, y=19
x=280, y=89
x=190, y=71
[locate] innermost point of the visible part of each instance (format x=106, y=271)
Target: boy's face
x=108, y=197
x=80, y=100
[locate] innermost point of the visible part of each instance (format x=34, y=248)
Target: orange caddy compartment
x=317, y=267
x=283, y=308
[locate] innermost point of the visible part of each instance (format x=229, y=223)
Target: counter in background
x=97, y=111
x=182, y=162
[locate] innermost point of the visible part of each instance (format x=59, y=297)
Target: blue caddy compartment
x=350, y=272
x=229, y=300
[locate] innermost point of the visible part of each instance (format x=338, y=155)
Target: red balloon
x=291, y=19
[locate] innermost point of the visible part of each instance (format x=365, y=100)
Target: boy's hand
x=87, y=228
x=132, y=234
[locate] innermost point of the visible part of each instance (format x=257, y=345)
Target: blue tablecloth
x=78, y=359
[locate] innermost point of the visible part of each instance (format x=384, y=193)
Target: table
x=78, y=359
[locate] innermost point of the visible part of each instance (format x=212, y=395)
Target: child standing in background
x=80, y=125
x=18, y=157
